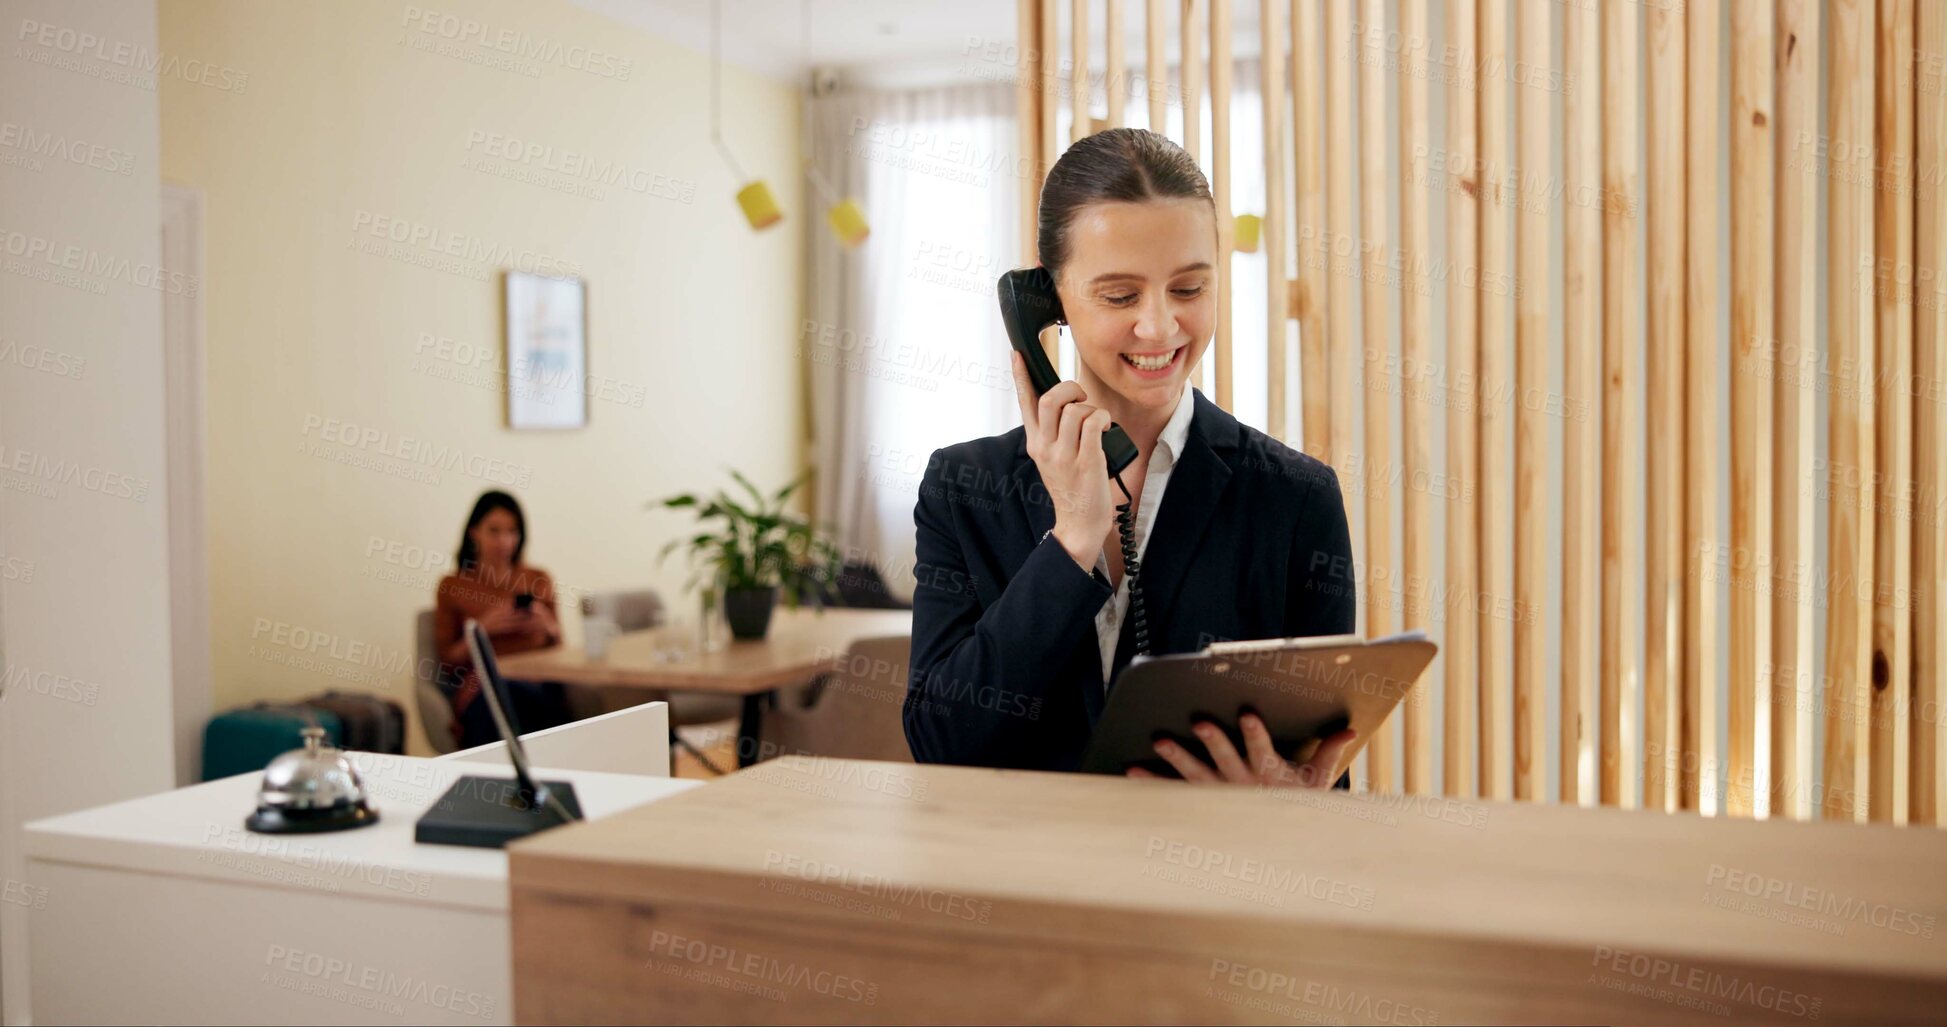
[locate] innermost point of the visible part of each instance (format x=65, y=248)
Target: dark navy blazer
x=1250, y=542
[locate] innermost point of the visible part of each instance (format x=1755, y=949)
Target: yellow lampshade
x=848, y=222
x=1244, y=232
x=760, y=207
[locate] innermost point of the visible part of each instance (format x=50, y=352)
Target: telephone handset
x=1030, y=304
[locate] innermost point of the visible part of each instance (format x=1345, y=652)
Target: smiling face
x=1139, y=288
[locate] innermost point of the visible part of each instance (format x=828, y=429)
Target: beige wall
x=345, y=447
x=85, y=713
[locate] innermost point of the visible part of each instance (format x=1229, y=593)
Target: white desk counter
x=165, y=909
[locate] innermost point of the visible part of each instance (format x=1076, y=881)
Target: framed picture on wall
x=547, y=352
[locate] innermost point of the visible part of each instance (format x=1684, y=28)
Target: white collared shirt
x=1156, y=478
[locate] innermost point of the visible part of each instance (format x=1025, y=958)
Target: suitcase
x=245, y=740
x=371, y=723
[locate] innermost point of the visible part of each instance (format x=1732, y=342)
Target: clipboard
x=1303, y=688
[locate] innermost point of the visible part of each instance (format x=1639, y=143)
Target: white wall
x=85, y=715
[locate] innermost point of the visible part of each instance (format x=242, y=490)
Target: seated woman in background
x=514, y=602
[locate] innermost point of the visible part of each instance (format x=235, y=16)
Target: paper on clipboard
x=1311, y=642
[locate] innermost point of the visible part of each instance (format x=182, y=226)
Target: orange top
x=471, y=593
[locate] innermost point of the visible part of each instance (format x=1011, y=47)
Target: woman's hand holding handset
x=1065, y=441
x=1260, y=764
x=506, y=619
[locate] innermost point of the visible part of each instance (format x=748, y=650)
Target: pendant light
x=1244, y=232
x=846, y=216
x=755, y=197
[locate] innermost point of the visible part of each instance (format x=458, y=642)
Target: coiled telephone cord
x=1125, y=526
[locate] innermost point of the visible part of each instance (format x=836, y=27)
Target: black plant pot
x=749, y=610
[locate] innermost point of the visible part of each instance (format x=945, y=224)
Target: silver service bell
x=315, y=788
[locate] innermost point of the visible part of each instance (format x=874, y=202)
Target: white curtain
x=902, y=336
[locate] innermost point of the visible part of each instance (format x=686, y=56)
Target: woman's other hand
x=1064, y=436
x=544, y=623
x=1259, y=765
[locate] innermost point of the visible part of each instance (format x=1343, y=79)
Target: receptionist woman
x=1020, y=614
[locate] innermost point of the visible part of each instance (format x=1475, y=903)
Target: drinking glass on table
x=673, y=640
x=712, y=626
x=596, y=633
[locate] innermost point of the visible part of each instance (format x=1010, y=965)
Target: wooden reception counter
x=809, y=891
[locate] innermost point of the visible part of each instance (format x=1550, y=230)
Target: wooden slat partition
x=1314, y=247
x=1339, y=232
x=1340, y=222
x=1117, y=82
x=1928, y=799
x=1724, y=343
x=1050, y=135
x=1381, y=593
x=1582, y=388
x=1622, y=549
x=1047, y=55
x=1415, y=335
x=1702, y=405
x=1893, y=469
x=1220, y=71
x=1751, y=403
x=1528, y=181
x=1458, y=773
x=1156, y=72
x=1496, y=431
x=1663, y=459
x=1796, y=45
x=1192, y=72
x=1277, y=291
x=1849, y=307
x=1031, y=105
x=1082, y=123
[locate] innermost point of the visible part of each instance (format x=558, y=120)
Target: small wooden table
x=801, y=645
x=830, y=891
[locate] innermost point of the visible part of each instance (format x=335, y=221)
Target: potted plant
x=751, y=551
